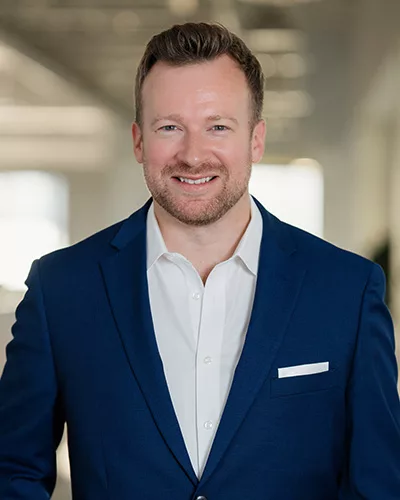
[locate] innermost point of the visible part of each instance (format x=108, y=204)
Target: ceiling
x=96, y=46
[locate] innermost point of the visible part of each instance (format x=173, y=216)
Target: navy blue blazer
x=84, y=352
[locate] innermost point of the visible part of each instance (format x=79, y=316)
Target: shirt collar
x=155, y=242
x=248, y=249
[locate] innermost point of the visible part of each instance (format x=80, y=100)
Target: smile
x=197, y=181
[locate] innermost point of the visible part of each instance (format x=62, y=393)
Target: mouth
x=201, y=180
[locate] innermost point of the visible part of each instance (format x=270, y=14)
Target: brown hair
x=192, y=43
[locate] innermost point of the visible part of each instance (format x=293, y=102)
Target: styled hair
x=192, y=43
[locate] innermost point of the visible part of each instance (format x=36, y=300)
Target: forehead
x=219, y=83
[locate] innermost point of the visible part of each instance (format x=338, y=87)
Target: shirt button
x=196, y=295
x=208, y=425
x=207, y=360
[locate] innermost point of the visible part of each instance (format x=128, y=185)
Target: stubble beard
x=192, y=211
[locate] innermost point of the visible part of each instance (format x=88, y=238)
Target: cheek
x=235, y=156
x=158, y=152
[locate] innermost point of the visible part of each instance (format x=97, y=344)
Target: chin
x=198, y=217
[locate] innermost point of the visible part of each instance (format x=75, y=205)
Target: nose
x=193, y=150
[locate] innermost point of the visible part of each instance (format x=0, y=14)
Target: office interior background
x=332, y=106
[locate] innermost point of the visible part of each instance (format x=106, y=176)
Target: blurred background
x=332, y=105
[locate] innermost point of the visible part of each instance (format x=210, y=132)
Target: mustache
x=181, y=168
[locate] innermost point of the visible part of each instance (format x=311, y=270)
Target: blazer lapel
x=126, y=282
x=278, y=285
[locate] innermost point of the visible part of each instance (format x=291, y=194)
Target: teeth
x=198, y=181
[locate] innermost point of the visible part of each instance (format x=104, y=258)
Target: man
x=202, y=349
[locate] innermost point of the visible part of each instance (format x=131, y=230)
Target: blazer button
x=201, y=498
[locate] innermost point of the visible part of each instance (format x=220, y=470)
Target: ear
x=137, y=142
x=258, y=141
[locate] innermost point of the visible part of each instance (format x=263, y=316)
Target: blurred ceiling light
x=53, y=120
x=292, y=66
x=287, y=104
x=30, y=73
x=44, y=79
x=183, y=8
x=275, y=40
x=41, y=80
x=125, y=22
x=278, y=3
x=306, y=162
x=64, y=153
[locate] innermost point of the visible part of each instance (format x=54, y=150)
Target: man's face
x=196, y=142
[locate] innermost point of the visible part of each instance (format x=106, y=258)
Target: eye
x=168, y=128
x=220, y=128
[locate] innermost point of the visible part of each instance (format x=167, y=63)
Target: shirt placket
x=208, y=363
x=195, y=290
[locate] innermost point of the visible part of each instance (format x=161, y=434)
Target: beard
x=194, y=210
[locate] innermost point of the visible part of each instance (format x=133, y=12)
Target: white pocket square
x=298, y=370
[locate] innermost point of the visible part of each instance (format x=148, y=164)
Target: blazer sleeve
x=31, y=423
x=373, y=466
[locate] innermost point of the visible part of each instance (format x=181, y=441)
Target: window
x=294, y=193
x=33, y=222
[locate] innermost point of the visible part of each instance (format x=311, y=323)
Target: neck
x=205, y=246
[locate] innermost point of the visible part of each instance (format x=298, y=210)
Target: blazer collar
x=131, y=227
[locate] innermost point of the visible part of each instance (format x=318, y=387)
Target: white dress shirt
x=200, y=329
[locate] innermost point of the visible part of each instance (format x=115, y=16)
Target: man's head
x=199, y=95
x=194, y=43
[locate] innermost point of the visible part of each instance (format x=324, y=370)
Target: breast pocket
x=302, y=384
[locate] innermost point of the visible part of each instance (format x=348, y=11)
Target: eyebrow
x=178, y=118
x=215, y=118
x=172, y=117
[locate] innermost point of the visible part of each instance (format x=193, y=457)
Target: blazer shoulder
x=322, y=255
x=93, y=247
x=100, y=244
